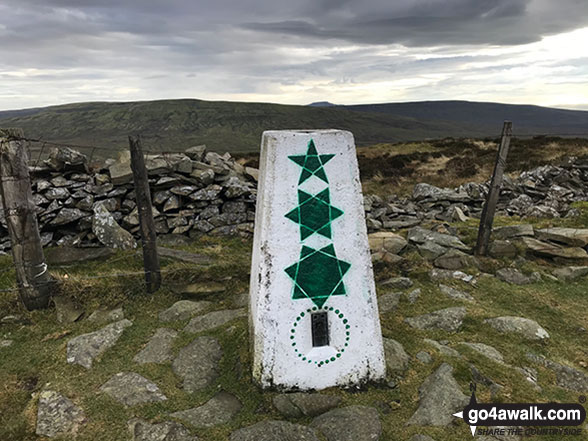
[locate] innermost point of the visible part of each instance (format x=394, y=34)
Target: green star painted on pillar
x=318, y=275
x=312, y=163
x=314, y=214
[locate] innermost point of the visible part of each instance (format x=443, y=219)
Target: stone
x=352, y=423
x=5, y=343
x=430, y=250
x=570, y=273
x=68, y=255
x=58, y=416
x=200, y=289
x=172, y=203
x=84, y=348
x=454, y=260
x=423, y=191
x=388, y=302
x=458, y=215
x=502, y=248
x=108, y=232
x=384, y=240
x=235, y=188
x=413, y=296
x=486, y=350
x=574, y=237
x=102, y=316
x=220, y=409
x=439, y=398
x=182, y=310
x=131, y=389
x=165, y=431
x=204, y=177
x=57, y=193
x=421, y=438
x=213, y=320
x=443, y=349
x=513, y=276
x=209, y=193
x=397, y=359
x=398, y=283
x=310, y=196
x=183, y=190
x=455, y=294
x=65, y=158
x=197, y=363
x=67, y=310
x=448, y=319
x=67, y=216
x=159, y=347
x=566, y=376
x=424, y=357
x=553, y=250
x=196, y=152
x=298, y=405
x=274, y=430
x=526, y=328
x=512, y=231
x=419, y=235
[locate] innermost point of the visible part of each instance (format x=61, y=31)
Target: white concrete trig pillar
x=314, y=315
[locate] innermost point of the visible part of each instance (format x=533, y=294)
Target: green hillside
x=223, y=126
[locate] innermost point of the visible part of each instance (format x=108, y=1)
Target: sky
x=294, y=52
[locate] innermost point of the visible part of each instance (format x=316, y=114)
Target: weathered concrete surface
x=284, y=186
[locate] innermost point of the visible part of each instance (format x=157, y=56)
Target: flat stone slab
x=566, y=376
x=511, y=231
x=67, y=309
x=183, y=310
x=274, y=431
x=419, y=235
x=67, y=255
x=439, y=398
x=513, y=276
x=353, y=423
x=443, y=349
x=388, y=302
x=130, y=389
x=84, y=348
x=5, y=343
x=166, y=431
x=397, y=283
x=220, y=409
x=448, y=319
x=421, y=438
x=396, y=358
x=524, y=327
x=158, y=349
x=298, y=404
x=199, y=289
x=570, y=273
x=57, y=415
x=455, y=294
x=197, y=363
x=385, y=240
x=575, y=237
x=552, y=250
x=213, y=320
x=106, y=316
x=486, y=350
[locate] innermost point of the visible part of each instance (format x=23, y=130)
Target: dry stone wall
x=200, y=192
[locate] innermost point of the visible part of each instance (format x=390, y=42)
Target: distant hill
x=322, y=104
x=237, y=126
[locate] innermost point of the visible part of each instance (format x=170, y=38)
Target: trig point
x=314, y=314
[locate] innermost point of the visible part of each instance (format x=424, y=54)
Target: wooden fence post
x=489, y=209
x=147, y=226
x=35, y=284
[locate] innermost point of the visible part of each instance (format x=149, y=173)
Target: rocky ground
x=110, y=363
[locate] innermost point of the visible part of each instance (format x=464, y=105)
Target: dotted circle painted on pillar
x=346, y=326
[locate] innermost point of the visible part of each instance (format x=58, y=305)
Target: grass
x=35, y=362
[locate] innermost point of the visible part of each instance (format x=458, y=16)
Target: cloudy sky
x=295, y=52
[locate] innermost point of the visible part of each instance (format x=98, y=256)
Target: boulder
x=455, y=294
x=102, y=316
x=553, y=250
x=570, y=273
x=108, y=232
x=448, y=319
x=419, y=235
x=566, y=376
x=352, y=423
x=182, y=310
x=64, y=158
x=512, y=231
x=529, y=329
x=439, y=398
x=502, y=248
x=384, y=240
x=513, y=276
x=397, y=359
x=58, y=416
x=166, y=431
x=574, y=237
x=159, y=347
x=131, y=389
x=298, y=404
x=485, y=350
x=273, y=431
x=84, y=348
x=430, y=250
x=388, y=302
x=397, y=283
x=443, y=349
x=213, y=320
x=220, y=409
x=454, y=260
x=197, y=363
